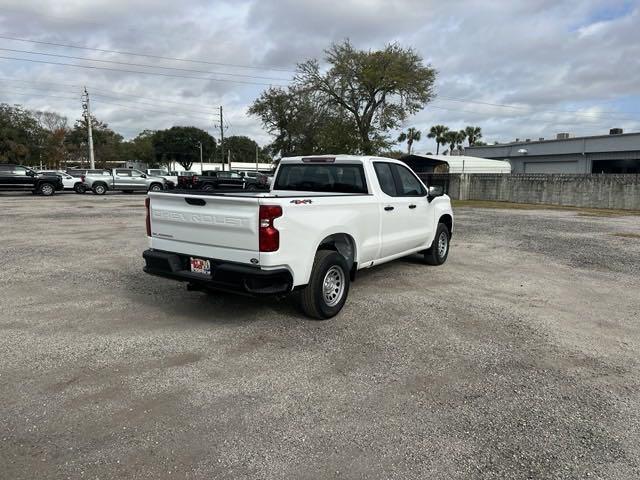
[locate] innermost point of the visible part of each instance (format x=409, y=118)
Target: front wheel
x=100, y=189
x=328, y=287
x=439, y=251
x=46, y=189
x=80, y=188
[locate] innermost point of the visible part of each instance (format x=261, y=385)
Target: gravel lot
x=519, y=358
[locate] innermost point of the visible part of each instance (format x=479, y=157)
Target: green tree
x=410, y=136
x=242, y=148
x=438, y=132
x=21, y=136
x=141, y=148
x=474, y=134
x=377, y=90
x=182, y=145
x=302, y=124
x=454, y=139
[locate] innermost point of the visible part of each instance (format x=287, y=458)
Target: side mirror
x=436, y=191
x=143, y=175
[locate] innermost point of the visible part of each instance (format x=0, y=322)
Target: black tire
x=99, y=189
x=439, y=251
x=313, y=298
x=80, y=188
x=155, y=187
x=47, y=189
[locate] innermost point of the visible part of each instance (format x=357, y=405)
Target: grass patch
x=626, y=235
x=587, y=212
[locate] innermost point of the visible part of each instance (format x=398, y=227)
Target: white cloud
x=541, y=55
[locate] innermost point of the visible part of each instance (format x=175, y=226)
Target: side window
x=136, y=173
x=385, y=178
x=20, y=171
x=123, y=172
x=408, y=184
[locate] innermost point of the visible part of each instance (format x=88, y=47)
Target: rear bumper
x=224, y=275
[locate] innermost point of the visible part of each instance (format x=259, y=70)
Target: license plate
x=199, y=265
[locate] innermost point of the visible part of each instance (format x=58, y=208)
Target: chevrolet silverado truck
x=126, y=180
x=325, y=218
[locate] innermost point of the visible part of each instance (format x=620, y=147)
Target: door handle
x=412, y=206
x=388, y=208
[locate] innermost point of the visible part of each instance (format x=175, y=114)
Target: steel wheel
x=333, y=286
x=443, y=244
x=156, y=188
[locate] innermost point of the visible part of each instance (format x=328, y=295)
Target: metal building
x=427, y=163
x=614, y=153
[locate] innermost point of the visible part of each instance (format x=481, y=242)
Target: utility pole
x=229, y=160
x=257, y=157
x=222, y=139
x=87, y=115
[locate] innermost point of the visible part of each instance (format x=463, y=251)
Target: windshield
x=342, y=178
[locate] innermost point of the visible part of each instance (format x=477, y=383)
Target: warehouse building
x=617, y=152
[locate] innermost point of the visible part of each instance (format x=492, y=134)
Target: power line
x=93, y=67
x=213, y=110
x=134, y=54
x=142, y=65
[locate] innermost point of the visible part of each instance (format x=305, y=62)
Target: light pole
x=201, y=167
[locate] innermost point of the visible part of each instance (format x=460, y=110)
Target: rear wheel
x=80, y=188
x=46, y=189
x=328, y=287
x=155, y=187
x=99, y=189
x=439, y=251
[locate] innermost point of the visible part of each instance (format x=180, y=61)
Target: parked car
x=326, y=218
x=18, y=178
x=82, y=173
x=126, y=180
x=69, y=182
x=219, y=180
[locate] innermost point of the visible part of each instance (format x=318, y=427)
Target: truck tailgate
x=205, y=225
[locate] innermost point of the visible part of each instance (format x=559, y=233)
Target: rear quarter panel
x=304, y=225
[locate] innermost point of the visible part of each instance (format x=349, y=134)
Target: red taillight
x=269, y=236
x=148, y=220
x=82, y=177
x=194, y=179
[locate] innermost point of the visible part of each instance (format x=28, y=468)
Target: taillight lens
x=269, y=236
x=148, y=219
x=194, y=179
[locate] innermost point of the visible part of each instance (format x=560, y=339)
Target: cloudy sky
x=525, y=69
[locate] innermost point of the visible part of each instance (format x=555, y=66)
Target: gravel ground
x=516, y=359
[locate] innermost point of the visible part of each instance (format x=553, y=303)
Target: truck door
x=404, y=208
x=122, y=179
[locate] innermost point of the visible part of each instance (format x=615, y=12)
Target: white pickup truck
x=325, y=218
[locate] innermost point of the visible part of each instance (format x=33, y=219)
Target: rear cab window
x=322, y=177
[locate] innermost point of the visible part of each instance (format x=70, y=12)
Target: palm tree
x=438, y=132
x=454, y=139
x=412, y=135
x=474, y=134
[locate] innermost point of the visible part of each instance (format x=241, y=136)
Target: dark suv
x=18, y=178
x=218, y=180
